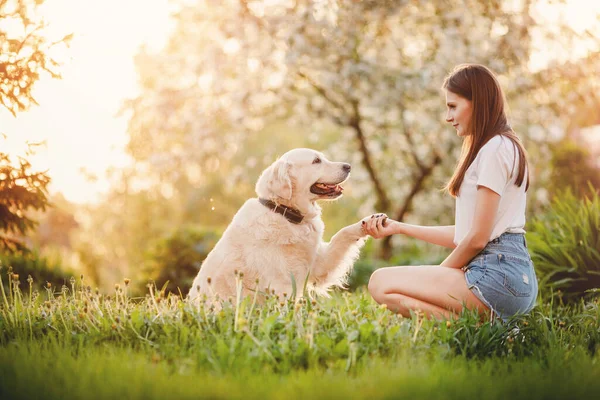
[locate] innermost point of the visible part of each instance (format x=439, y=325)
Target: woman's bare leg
x=403, y=305
x=432, y=289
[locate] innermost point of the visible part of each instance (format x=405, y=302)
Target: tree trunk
x=424, y=173
x=383, y=202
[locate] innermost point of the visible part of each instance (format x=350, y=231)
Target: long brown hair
x=478, y=84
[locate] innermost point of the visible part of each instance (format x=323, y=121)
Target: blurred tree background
x=241, y=82
x=26, y=52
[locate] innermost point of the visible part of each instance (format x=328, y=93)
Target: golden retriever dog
x=275, y=241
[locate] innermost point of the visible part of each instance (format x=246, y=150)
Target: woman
x=489, y=269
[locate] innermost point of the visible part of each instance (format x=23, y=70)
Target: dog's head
x=302, y=176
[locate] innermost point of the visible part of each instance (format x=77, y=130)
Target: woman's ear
x=275, y=181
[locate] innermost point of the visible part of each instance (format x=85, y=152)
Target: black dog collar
x=291, y=214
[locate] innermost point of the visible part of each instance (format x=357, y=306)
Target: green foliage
x=42, y=269
x=21, y=190
x=176, y=259
x=572, y=168
x=362, y=271
x=565, y=245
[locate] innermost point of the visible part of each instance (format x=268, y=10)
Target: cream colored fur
x=265, y=246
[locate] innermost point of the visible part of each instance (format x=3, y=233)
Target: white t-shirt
x=494, y=168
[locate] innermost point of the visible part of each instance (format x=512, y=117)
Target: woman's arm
x=486, y=208
x=381, y=226
x=440, y=235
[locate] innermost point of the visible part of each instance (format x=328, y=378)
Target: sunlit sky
x=77, y=115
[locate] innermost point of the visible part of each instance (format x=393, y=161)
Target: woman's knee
x=376, y=285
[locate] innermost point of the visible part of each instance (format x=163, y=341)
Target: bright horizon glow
x=77, y=115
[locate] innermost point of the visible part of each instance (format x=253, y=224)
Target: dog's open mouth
x=327, y=189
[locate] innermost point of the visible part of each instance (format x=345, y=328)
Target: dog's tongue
x=329, y=187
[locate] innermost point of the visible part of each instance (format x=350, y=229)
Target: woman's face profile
x=459, y=111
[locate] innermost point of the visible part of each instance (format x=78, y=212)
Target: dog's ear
x=275, y=181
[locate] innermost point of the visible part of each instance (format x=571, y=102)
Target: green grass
x=36, y=370
x=79, y=344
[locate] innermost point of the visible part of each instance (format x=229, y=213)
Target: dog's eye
x=317, y=160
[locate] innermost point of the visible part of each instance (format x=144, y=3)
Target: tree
x=25, y=53
x=572, y=168
x=20, y=190
x=174, y=261
x=370, y=69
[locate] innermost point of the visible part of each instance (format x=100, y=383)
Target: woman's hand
x=379, y=226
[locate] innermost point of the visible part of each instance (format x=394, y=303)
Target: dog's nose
x=346, y=167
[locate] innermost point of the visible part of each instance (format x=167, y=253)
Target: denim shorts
x=502, y=276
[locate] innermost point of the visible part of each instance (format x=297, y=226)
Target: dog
x=275, y=241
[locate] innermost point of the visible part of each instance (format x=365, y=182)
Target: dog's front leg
x=334, y=259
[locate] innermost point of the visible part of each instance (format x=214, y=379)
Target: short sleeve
x=494, y=168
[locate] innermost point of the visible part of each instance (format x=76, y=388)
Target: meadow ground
x=76, y=343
